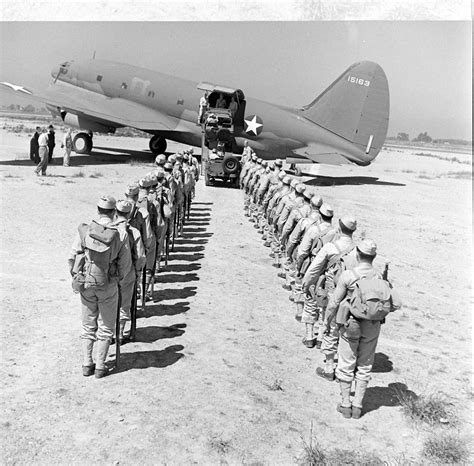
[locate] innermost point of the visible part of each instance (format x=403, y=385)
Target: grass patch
x=315, y=455
x=217, y=444
x=432, y=409
x=461, y=175
x=275, y=386
x=446, y=159
x=96, y=175
x=79, y=174
x=446, y=448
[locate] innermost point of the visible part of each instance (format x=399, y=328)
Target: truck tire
x=230, y=165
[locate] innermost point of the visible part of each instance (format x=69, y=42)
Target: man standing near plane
x=43, y=153
x=51, y=143
x=203, y=106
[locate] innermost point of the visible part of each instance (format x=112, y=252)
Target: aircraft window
x=124, y=86
x=99, y=77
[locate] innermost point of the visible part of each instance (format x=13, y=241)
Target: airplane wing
x=113, y=111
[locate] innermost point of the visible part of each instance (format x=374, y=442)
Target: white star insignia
x=252, y=125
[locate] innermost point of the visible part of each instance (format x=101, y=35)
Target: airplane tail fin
x=355, y=106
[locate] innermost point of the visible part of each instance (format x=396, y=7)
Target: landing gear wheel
x=296, y=170
x=82, y=143
x=157, y=145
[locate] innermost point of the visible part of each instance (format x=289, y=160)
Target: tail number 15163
x=361, y=82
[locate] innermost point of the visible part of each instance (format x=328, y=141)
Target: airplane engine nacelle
x=85, y=123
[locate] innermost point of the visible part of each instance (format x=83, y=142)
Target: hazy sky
x=428, y=64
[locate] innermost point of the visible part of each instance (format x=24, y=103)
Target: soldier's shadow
x=154, y=333
x=382, y=363
x=145, y=359
x=183, y=267
x=376, y=397
x=176, y=278
x=185, y=248
x=160, y=310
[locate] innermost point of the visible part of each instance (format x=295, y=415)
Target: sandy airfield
x=201, y=384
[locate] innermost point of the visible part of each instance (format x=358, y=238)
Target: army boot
x=328, y=372
x=88, y=365
x=102, y=350
x=345, y=406
x=360, y=388
x=309, y=340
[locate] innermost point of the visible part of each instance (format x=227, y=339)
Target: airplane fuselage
x=284, y=131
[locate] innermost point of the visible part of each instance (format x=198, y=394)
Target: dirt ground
x=219, y=373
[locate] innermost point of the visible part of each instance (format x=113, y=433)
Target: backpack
x=337, y=265
x=321, y=239
x=99, y=266
x=371, y=298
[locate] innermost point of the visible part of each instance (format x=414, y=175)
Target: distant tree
x=403, y=137
x=29, y=109
x=12, y=107
x=423, y=137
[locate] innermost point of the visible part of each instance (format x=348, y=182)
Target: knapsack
x=321, y=239
x=371, y=298
x=337, y=265
x=99, y=267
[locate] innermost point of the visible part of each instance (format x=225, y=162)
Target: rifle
x=143, y=288
x=133, y=313
x=385, y=277
x=117, y=329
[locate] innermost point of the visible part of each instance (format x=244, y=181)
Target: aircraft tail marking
x=355, y=106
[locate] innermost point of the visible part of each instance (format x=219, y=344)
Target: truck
x=219, y=125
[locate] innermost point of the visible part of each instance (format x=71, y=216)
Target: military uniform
x=138, y=260
x=358, y=337
x=99, y=298
x=313, y=311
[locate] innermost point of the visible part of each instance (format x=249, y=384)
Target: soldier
x=162, y=205
x=324, y=265
x=294, y=212
x=300, y=211
x=171, y=183
x=98, y=261
x=298, y=232
x=359, y=335
x=246, y=165
x=138, y=260
x=246, y=153
x=160, y=160
x=147, y=208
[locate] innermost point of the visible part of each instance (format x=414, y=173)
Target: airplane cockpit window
x=124, y=86
x=99, y=77
x=151, y=93
x=63, y=67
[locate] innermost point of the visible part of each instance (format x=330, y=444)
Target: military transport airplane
x=347, y=123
